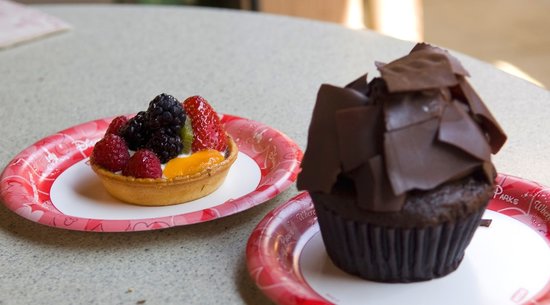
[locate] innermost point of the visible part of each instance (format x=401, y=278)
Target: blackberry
x=135, y=132
x=165, y=145
x=165, y=112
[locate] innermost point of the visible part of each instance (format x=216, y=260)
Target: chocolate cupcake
x=399, y=168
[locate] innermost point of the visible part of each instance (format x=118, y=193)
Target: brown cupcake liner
x=385, y=254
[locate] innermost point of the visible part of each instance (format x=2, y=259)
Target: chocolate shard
x=359, y=132
x=446, y=93
x=360, y=84
x=415, y=160
x=405, y=109
x=489, y=124
x=377, y=89
x=457, y=128
x=419, y=70
x=456, y=66
x=379, y=64
x=322, y=147
x=374, y=191
x=485, y=222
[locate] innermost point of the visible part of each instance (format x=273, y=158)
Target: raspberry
x=116, y=125
x=165, y=145
x=111, y=153
x=165, y=112
x=135, y=132
x=208, y=132
x=143, y=164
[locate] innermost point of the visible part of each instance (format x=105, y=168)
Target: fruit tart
x=172, y=153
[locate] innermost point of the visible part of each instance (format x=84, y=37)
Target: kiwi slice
x=186, y=134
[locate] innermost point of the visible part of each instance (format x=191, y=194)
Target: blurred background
x=513, y=35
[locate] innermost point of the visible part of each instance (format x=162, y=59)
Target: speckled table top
x=263, y=67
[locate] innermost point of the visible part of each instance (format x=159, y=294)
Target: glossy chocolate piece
x=457, y=128
x=360, y=84
x=456, y=66
x=406, y=109
x=415, y=160
x=496, y=135
x=420, y=70
x=323, y=138
x=357, y=145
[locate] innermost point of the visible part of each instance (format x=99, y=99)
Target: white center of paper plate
x=506, y=263
x=78, y=192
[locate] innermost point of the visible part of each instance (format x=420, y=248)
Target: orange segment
x=195, y=163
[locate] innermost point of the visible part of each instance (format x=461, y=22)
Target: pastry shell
x=162, y=191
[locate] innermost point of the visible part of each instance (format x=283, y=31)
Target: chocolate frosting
x=416, y=127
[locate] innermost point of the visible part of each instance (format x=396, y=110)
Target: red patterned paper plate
x=506, y=263
x=51, y=183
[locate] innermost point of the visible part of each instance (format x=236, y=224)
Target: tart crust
x=161, y=192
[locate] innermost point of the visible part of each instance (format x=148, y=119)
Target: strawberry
x=208, y=132
x=116, y=125
x=111, y=153
x=143, y=164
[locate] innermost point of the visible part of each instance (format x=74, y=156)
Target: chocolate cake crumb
x=485, y=222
